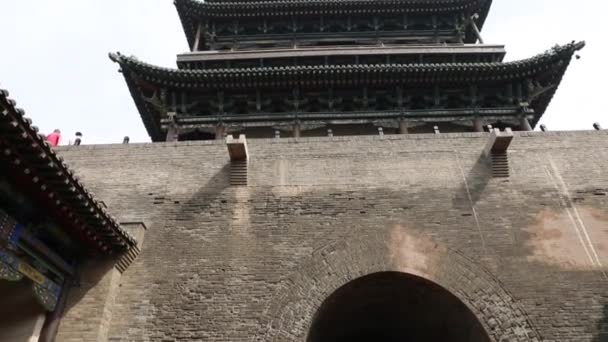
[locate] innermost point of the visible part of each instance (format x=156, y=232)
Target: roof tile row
x=390, y=73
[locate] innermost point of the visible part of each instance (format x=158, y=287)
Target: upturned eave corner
x=149, y=119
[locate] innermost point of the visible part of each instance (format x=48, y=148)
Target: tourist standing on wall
x=78, y=139
x=54, y=138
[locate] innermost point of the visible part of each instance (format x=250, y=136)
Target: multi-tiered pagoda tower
x=303, y=67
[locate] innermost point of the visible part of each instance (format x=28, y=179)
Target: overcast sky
x=53, y=58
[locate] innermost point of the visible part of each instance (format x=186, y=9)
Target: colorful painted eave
x=33, y=165
x=192, y=11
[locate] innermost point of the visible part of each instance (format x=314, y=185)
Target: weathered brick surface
x=528, y=255
x=90, y=304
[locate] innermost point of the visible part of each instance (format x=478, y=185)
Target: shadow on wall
x=92, y=274
x=207, y=195
x=602, y=327
x=476, y=181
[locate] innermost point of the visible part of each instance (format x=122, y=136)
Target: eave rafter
x=45, y=177
x=192, y=12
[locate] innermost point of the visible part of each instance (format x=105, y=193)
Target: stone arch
x=289, y=314
x=394, y=306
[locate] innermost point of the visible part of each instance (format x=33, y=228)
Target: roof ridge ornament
x=115, y=56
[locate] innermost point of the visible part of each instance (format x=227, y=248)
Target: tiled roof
x=550, y=65
x=322, y=75
x=301, y=7
x=191, y=11
x=47, y=180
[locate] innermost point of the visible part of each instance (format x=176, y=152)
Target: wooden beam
x=46, y=253
x=53, y=319
x=197, y=39
x=402, y=127
x=172, y=134
x=476, y=28
x=219, y=132
x=434, y=115
x=525, y=124
x=172, y=130
x=478, y=124
x=183, y=103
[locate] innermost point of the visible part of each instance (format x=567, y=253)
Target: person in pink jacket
x=54, y=138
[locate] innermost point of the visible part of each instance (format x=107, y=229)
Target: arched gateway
x=392, y=285
x=394, y=306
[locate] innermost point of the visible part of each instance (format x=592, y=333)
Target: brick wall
x=527, y=254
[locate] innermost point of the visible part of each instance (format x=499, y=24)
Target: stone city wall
x=528, y=254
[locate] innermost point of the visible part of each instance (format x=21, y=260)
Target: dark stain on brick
x=601, y=335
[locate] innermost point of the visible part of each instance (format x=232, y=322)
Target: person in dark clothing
x=78, y=139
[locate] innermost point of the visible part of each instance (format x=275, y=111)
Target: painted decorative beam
x=46, y=290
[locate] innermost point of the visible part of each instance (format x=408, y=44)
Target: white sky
x=53, y=58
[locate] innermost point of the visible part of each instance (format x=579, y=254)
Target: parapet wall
x=528, y=254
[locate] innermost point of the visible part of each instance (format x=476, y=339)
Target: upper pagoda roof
x=29, y=161
x=550, y=65
x=192, y=11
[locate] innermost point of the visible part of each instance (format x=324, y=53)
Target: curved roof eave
x=180, y=78
x=555, y=61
